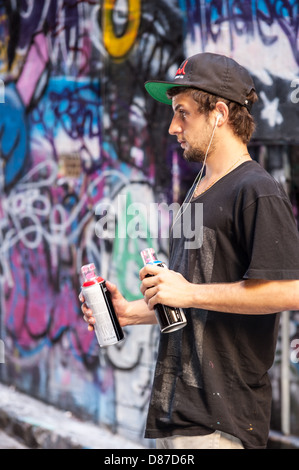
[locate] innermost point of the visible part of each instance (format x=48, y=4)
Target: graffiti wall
x=79, y=134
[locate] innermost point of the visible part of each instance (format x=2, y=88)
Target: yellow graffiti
x=18, y=60
x=119, y=45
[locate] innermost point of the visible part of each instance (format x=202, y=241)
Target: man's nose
x=174, y=127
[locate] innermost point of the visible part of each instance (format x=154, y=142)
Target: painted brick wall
x=78, y=137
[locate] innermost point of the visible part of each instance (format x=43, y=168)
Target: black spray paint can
x=107, y=328
x=169, y=318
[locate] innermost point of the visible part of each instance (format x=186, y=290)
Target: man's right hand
x=87, y=313
x=129, y=313
x=120, y=304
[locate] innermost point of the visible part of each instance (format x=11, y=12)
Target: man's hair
x=240, y=120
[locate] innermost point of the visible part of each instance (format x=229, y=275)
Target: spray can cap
x=148, y=255
x=88, y=272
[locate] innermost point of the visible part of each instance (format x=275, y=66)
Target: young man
x=211, y=388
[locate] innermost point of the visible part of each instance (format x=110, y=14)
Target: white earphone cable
x=197, y=180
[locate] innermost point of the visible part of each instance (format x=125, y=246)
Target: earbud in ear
x=218, y=118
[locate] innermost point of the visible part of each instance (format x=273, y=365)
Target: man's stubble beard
x=194, y=155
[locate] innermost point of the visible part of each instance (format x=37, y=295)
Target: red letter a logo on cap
x=181, y=71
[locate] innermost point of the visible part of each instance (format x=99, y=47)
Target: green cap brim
x=158, y=90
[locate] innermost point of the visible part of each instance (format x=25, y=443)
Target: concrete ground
x=28, y=423
x=8, y=442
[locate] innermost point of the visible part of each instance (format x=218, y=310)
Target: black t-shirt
x=212, y=374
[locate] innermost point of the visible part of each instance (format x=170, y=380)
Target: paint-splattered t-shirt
x=212, y=374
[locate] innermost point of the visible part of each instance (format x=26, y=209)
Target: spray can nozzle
x=88, y=272
x=148, y=256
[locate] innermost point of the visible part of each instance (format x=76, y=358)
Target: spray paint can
x=169, y=318
x=107, y=328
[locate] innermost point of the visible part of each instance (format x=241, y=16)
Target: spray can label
x=106, y=327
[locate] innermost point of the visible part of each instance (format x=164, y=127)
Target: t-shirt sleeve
x=272, y=239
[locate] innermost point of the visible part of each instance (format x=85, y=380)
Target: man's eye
x=183, y=113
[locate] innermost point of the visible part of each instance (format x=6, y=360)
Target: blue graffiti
x=250, y=18
x=71, y=105
x=13, y=135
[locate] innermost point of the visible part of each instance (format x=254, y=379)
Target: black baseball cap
x=213, y=73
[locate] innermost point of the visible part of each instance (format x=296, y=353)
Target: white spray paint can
x=97, y=297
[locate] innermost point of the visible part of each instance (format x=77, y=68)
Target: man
x=211, y=388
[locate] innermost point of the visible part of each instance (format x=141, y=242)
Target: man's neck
x=223, y=158
x=219, y=165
